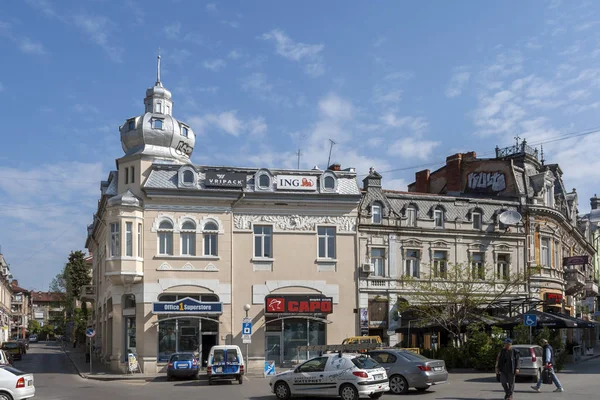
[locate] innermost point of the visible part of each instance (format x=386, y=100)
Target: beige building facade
x=182, y=253
x=5, y=300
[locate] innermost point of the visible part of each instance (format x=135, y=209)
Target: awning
x=422, y=325
x=581, y=323
x=549, y=320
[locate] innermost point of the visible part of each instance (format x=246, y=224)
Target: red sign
x=298, y=304
x=554, y=298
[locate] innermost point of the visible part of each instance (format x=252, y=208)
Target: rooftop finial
x=158, y=70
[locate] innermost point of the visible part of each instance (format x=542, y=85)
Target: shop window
x=376, y=213
x=503, y=267
x=477, y=266
x=412, y=263
x=301, y=332
x=211, y=234
x=129, y=239
x=115, y=244
x=377, y=259
x=263, y=241
x=165, y=238
x=440, y=264
x=326, y=237
x=188, y=238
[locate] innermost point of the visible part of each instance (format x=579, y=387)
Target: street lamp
x=246, y=309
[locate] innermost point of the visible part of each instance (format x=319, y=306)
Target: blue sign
x=246, y=327
x=187, y=306
x=530, y=319
x=269, y=368
x=90, y=332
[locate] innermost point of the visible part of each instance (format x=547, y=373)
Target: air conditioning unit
x=368, y=268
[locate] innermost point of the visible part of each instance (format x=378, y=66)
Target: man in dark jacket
x=507, y=366
x=548, y=360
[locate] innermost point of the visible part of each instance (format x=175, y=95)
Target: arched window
x=188, y=238
x=165, y=238
x=131, y=124
x=376, y=213
x=211, y=234
x=264, y=181
x=188, y=177
x=329, y=182
x=438, y=217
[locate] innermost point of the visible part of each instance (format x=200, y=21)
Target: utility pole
x=331, y=143
x=299, y=153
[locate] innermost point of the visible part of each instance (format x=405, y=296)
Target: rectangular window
x=477, y=266
x=503, y=267
x=545, y=253
x=210, y=244
x=549, y=196
x=477, y=221
x=126, y=175
x=440, y=264
x=412, y=263
x=438, y=216
x=114, y=240
x=377, y=259
x=131, y=124
x=326, y=235
x=132, y=174
x=263, y=241
x=165, y=243
x=411, y=216
x=158, y=108
x=139, y=240
x=188, y=243
x=128, y=239
x=376, y=213
x=556, y=260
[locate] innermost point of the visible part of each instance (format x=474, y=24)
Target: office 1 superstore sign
x=296, y=182
x=187, y=306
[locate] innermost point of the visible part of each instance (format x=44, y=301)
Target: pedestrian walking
x=548, y=361
x=507, y=366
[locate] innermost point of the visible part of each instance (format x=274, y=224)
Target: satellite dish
x=510, y=217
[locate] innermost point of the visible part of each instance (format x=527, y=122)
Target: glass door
x=273, y=347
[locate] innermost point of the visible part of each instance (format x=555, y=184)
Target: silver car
x=406, y=369
x=531, y=361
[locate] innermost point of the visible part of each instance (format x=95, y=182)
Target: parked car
x=532, y=364
x=407, y=369
x=182, y=365
x=15, y=384
x=5, y=358
x=33, y=338
x=225, y=362
x=347, y=375
x=14, y=348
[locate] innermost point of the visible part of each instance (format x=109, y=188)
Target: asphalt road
x=56, y=379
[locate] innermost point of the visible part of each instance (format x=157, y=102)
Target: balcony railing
x=591, y=288
x=575, y=281
x=88, y=292
x=518, y=149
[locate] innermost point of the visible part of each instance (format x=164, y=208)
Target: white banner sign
x=296, y=182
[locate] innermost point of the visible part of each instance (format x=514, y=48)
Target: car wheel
x=376, y=395
x=5, y=396
x=348, y=392
x=241, y=379
x=282, y=390
x=398, y=384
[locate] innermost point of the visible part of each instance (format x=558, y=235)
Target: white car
x=346, y=375
x=15, y=384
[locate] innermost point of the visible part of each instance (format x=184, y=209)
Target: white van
x=225, y=362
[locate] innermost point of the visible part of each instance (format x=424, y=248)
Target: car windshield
x=182, y=357
x=10, y=345
x=14, y=371
x=413, y=356
x=524, y=351
x=365, y=363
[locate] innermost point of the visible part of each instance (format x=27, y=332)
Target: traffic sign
x=90, y=332
x=247, y=330
x=269, y=368
x=530, y=319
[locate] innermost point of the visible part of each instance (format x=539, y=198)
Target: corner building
x=180, y=251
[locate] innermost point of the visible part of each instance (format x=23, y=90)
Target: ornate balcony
x=575, y=280
x=88, y=292
x=591, y=288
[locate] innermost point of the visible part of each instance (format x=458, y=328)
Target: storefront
x=292, y=321
x=188, y=323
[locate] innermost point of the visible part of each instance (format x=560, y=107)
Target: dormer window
x=264, y=181
x=438, y=218
x=549, y=194
x=131, y=124
x=157, y=123
x=411, y=216
x=376, y=213
x=188, y=177
x=329, y=182
x=184, y=131
x=477, y=220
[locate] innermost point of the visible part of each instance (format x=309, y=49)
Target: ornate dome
x=156, y=132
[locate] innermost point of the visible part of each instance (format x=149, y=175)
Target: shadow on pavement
x=483, y=379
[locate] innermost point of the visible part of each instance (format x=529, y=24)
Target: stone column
x=116, y=332
x=146, y=338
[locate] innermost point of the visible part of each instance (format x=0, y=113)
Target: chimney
x=470, y=156
x=594, y=202
x=453, y=173
x=372, y=180
x=422, y=181
x=335, y=167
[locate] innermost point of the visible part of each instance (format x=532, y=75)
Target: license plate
x=437, y=368
x=378, y=376
x=182, y=366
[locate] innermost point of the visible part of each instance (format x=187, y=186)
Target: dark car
x=182, y=365
x=14, y=348
x=33, y=338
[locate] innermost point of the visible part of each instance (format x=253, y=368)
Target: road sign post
x=530, y=320
x=90, y=333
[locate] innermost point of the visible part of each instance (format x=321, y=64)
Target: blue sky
x=398, y=85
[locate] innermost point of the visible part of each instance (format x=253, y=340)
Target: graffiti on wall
x=184, y=148
x=486, y=182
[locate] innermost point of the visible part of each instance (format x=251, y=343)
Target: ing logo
x=180, y=306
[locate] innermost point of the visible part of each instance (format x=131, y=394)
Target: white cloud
x=418, y=125
x=226, y=121
x=382, y=95
x=232, y=24
x=257, y=127
x=230, y=123
x=374, y=142
x=28, y=46
x=395, y=184
x=98, y=29
x=214, y=65
x=173, y=31
x=308, y=54
x=379, y=41
x=258, y=85
x=208, y=89
x=234, y=55
x=457, y=83
x=179, y=56
x=335, y=107
x=412, y=148
x=399, y=75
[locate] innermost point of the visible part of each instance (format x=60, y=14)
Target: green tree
x=76, y=273
x=457, y=296
x=33, y=326
x=59, y=283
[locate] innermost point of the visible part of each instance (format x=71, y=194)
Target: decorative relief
x=210, y=267
x=304, y=223
x=165, y=267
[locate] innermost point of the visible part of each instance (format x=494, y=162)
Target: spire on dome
x=158, y=83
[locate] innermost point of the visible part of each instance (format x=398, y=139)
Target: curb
x=74, y=364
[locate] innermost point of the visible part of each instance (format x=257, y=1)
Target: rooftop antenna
x=299, y=153
x=158, y=70
x=542, y=154
x=331, y=143
x=517, y=138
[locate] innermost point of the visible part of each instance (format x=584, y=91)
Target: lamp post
x=246, y=309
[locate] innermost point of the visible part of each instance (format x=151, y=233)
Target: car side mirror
x=297, y=370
